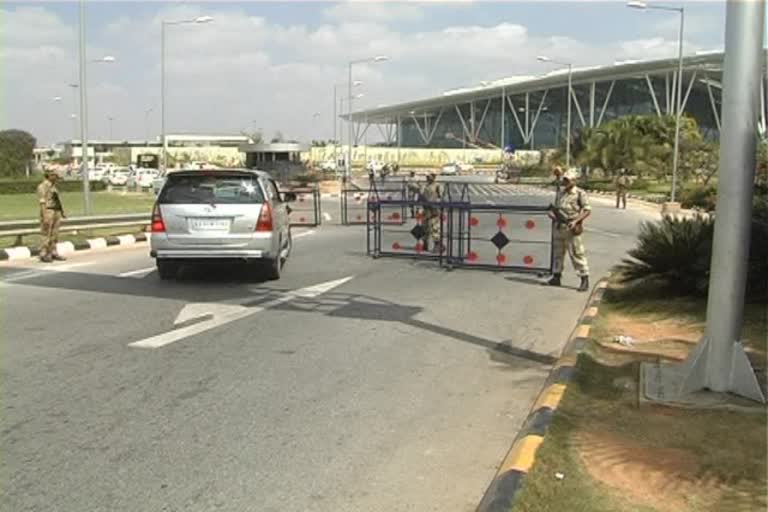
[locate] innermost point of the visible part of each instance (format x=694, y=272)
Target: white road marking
x=137, y=272
x=32, y=273
x=306, y=233
x=226, y=313
x=327, y=217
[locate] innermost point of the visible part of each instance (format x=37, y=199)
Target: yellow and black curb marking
x=500, y=495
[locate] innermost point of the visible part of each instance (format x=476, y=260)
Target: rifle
x=576, y=230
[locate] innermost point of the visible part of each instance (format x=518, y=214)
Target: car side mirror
x=289, y=197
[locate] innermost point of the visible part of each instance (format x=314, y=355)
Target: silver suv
x=220, y=215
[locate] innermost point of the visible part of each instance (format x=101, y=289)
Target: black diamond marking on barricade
x=499, y=240
x=418, y=232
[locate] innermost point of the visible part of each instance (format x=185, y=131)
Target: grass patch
x=79, y=236
x=25, y=206
x=618, y=455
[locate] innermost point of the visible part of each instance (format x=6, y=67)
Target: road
x=350, y=384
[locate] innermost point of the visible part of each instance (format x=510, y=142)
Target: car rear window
x=209, y=189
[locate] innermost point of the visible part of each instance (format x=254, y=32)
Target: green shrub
x=704, y=198
x=676, y=253
x=29, y=186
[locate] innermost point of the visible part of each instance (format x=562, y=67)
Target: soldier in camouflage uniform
x=621, y=189
x=51, y=213
x=431, y=193
x=569, y=212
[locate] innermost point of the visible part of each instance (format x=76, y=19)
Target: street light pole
x=163, y=24
x=84, y=115
x=110, y=119
x=679, y=92
x=378, y=58
x=719, y=361
x=146, y=123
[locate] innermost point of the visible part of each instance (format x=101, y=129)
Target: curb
x=500, y=495
x=64, y=248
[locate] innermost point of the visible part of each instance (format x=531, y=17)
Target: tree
x=255, y=136
x=16, y=152
x=278, y=137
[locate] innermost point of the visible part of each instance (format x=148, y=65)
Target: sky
x=272, y=65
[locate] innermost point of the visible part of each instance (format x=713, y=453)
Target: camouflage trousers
x=432, y=225
x=621, y=196
x=50, y=220
x=565, y=241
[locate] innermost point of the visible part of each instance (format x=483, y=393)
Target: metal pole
x=162, y=96
x=110, y=119
x=719, y=362
x=678, y=106
x=503, y=121
x=568, y=128
x=335, y=140
x=348, y=167
x=84, y=115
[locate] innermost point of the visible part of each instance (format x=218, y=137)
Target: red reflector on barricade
x=474, y=221
x=502, y=222
x=530, y=224
x=471, y=256
x=528, y=260
x=396, y=246
x=501, y=259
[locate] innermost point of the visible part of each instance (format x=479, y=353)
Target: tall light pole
x=110, y=119
x=356, y=83
x=83, y=115
x=163, y=24
x=541, y=58
x=146, y=122
x=719, y=362
x=679, y=91
x=378, y=58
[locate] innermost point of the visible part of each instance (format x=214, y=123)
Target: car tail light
x=265, y=218
x=158, y=226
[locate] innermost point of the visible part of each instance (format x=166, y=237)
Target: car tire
x=167, y=269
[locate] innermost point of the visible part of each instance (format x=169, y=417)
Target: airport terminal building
x=531, y=112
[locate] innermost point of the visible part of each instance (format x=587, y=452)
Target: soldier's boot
x=56, y=257
x=555, y=280
x=584, y=286
x=46, y=259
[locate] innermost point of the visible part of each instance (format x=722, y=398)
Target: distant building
x=182, y=149
x=531, y=112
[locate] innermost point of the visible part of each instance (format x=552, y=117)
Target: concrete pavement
x=399, y=389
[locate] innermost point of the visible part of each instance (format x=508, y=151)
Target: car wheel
x=167, y=269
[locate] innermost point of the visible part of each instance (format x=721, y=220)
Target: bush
x=676, y=253
x=704, y=198
x=16, y=151
x=29, y=186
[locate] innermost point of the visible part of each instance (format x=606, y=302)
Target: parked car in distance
x=118, y=177
x=142, y=178
x=96, y=173
x=454, y=168
x=328, y=165
x=220, y=216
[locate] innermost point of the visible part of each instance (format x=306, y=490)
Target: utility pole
x=719, y=362
x=84, y=116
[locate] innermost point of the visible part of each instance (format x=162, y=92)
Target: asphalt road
x=350, y=384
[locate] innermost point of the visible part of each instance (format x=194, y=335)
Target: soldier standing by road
x=569, y=212
x=621, y=189
x=430, y=195
x=412, y=191
x=51, y=213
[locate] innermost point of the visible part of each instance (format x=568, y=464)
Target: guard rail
x=21, y=228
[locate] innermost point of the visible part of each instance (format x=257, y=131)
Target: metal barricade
x=500, y=237
x=413, y=236
x=496, y=237
x=354, y=204
x=306, y=210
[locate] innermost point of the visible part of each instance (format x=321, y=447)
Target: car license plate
x=206, y=224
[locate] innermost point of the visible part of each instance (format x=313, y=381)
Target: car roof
x=211, y=172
